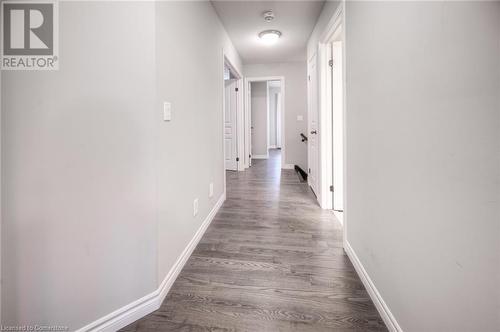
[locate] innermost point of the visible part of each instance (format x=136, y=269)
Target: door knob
x=314, y=132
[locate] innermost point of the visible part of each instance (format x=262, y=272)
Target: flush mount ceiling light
x=270, y=37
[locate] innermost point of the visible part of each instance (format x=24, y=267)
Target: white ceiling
x=243, y=21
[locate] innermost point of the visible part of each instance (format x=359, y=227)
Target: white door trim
x=247, y=130
x=248, y=137
x=240, y=124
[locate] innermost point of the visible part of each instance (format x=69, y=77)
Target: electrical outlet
x=211, y=190
x=195, y=207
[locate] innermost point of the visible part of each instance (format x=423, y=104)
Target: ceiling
x=243, y=21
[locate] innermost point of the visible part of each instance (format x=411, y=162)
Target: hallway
x=271, y=260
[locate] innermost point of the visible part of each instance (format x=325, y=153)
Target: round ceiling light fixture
x=270, y=37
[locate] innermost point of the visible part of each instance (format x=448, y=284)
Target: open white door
x=230, y=137
x=313, y=152
x=249, y=123
x=338, y=127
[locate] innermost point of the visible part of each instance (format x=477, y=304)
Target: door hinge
x=309, y=171
x=308, y=77
x=331, y=188
x=237, y=159
x=330, y=63
x=249, y=156
x=236, y=89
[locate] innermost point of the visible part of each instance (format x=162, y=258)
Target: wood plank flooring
x=271, y=260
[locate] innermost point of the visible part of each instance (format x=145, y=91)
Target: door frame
x=334, y=29
x=248, y=116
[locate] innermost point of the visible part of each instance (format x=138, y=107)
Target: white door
x=230, y=137
x=249, y=124
x=338, y=127
x=313, y=147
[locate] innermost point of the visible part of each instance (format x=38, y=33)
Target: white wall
x=423, y=159
x=190, y=147
x=90, y=219
x=295, y=74
x=79, y=223
x=258, y=106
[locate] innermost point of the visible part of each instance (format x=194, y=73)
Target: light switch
x=167, y=111
x=300, y=118
x=195, y=207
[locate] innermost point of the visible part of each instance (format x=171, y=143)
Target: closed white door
x=230, y=137
x=313, y=146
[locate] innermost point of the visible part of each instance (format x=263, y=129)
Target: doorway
x=331, y=71
x=337, y=110
x=259, y=129
x=232, y=118
x=265, y=119
x=274, y=107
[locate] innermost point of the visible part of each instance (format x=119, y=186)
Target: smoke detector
x=268, y=15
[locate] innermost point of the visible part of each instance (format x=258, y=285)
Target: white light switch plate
x=167, y=111
x=211, y=190
x=300, y=118
x=195, y=207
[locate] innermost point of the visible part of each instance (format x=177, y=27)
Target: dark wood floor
x=271, y=260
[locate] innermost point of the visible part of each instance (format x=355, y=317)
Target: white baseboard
x=288, y=166
x=260, y=156
x=377, y=299
x=151, y=302
x=272, y=147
